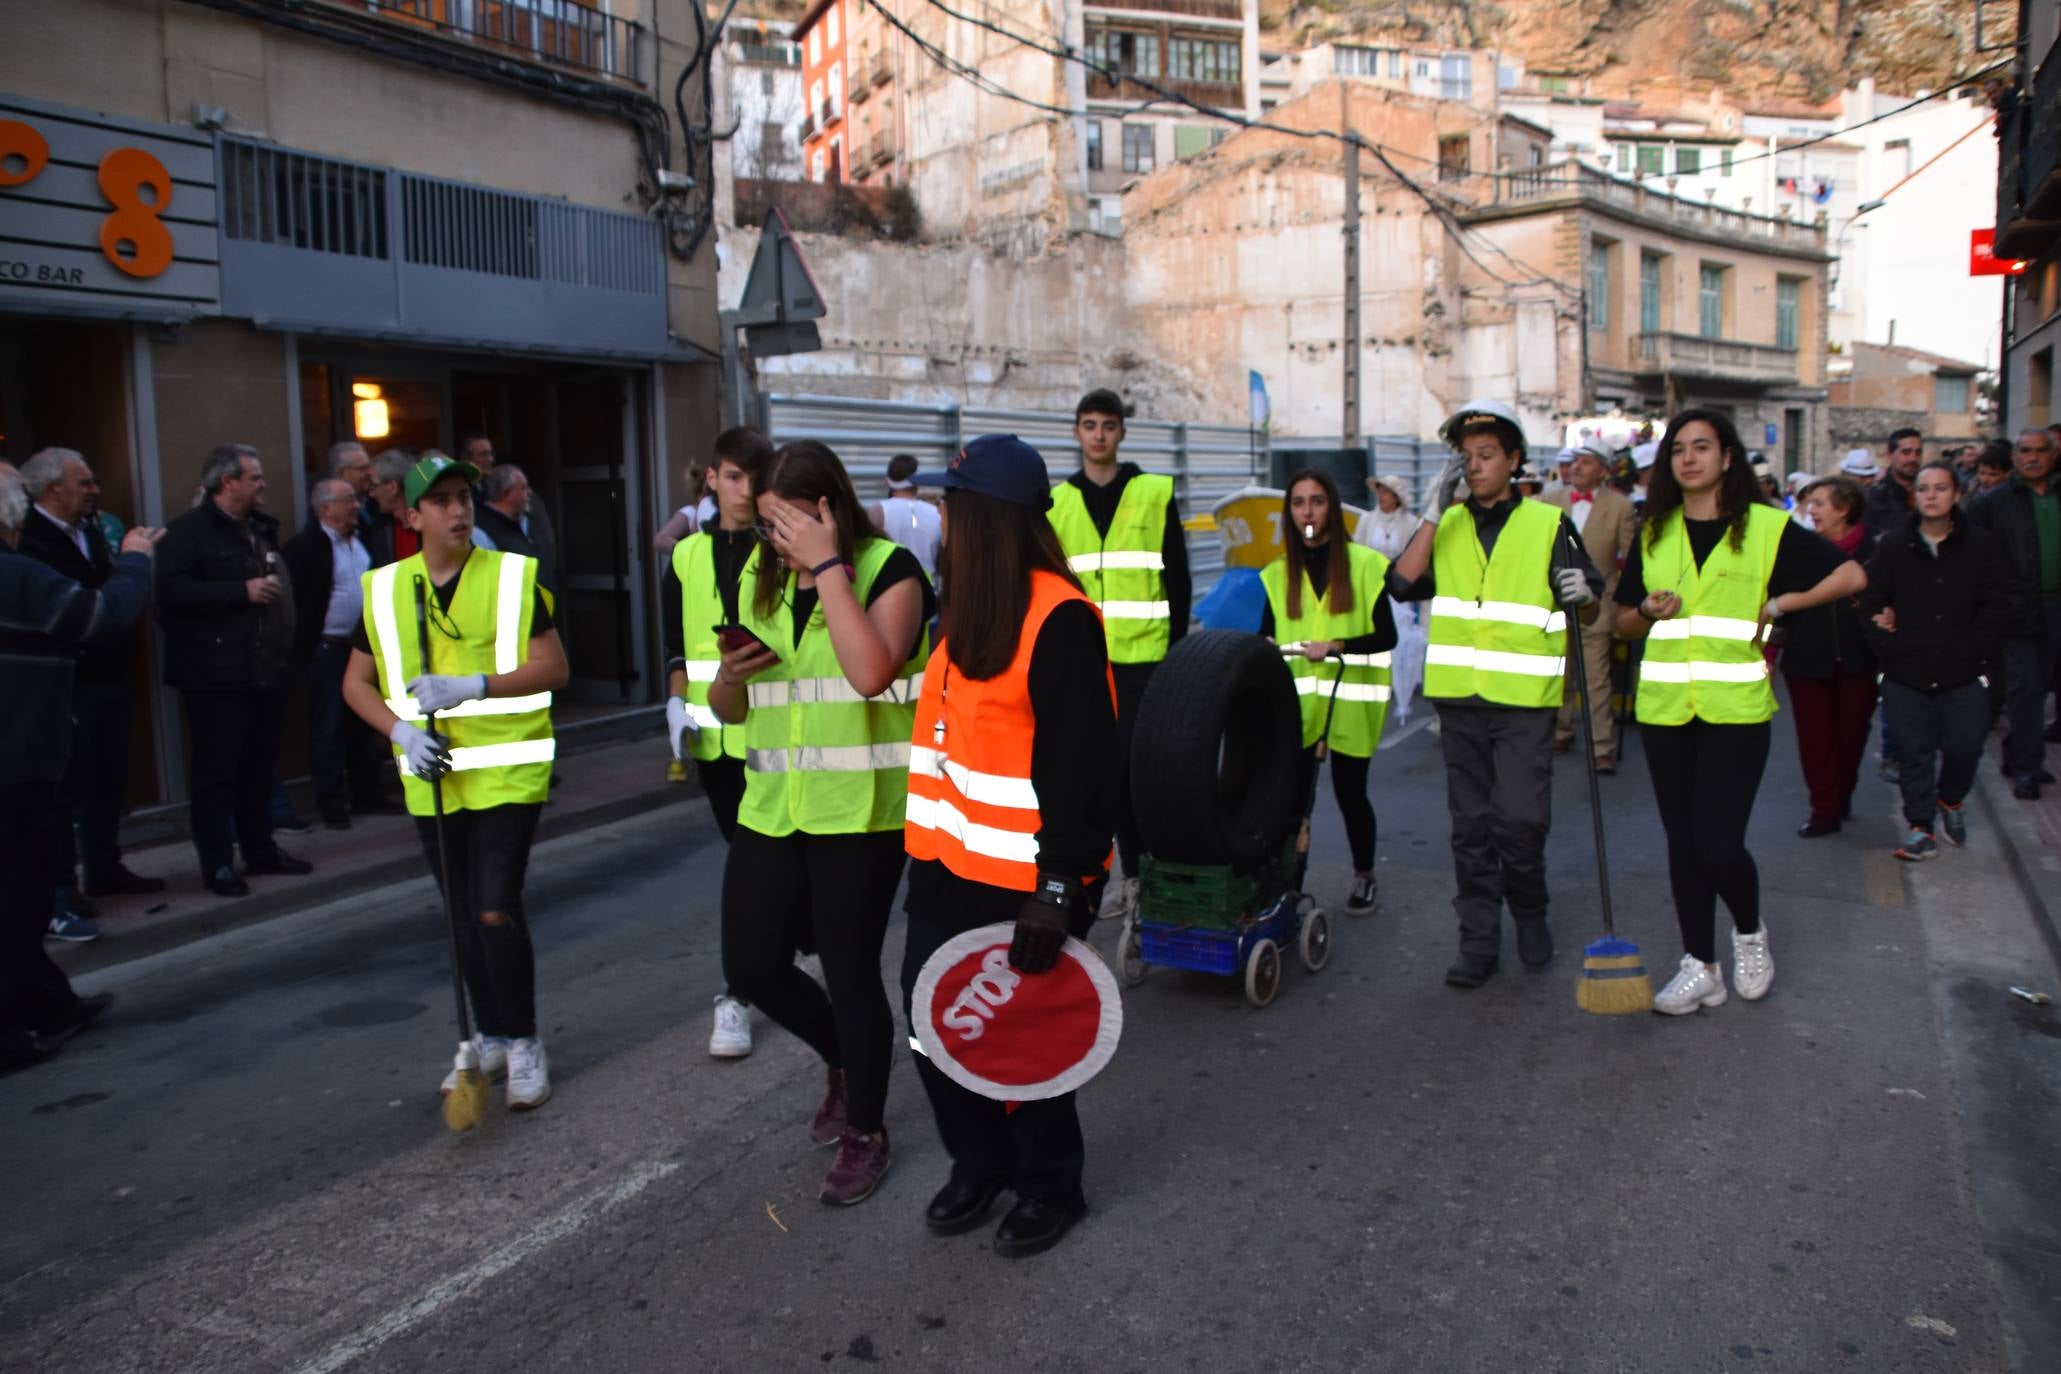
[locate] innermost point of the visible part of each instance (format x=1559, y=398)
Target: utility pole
x=1352, y=269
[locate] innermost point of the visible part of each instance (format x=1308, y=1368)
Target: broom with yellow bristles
x=1614, y=981
x=465, y=1106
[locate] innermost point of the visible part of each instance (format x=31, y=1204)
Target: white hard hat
x=1644, y=455
x=1859, y=463
x=1449, y=432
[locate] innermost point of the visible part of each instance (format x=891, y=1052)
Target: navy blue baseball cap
x=997, y=465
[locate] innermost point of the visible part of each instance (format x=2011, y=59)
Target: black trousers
x=1705, y=778
x=1131, y=681
x=488, y=852
x=96, y=784
x=1349, y=789
x=2028, y=667
x=722, y=782
x=1939, y=744
x=343, y=752
x=1499, y=788
x=1036, y=1147
x=835, y=891
x=232, y=738
x=34, y=993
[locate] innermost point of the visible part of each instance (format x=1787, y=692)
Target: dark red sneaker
x=828, y=1127
x=861, y=1162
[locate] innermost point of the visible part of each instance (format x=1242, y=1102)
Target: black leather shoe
x=20, y=1049
x=1534, y=942
x=280, y=862
x=2026, y=788
x=1034, y=1226
x=223, y=882
x=1471, y=971
x=1816, y=826
x=84, y=1013
x=122, y=883
x=961, y=1205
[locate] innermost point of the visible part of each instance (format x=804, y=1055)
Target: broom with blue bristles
x=1614, y=981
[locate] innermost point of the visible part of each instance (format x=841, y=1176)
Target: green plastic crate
x=1209, y=896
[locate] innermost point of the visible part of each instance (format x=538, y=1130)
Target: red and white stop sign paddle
x=1015, y=1037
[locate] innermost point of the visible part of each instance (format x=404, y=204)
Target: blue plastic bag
x=1236, y=603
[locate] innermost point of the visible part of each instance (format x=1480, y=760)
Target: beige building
x=401, y=223
x=1877, y=388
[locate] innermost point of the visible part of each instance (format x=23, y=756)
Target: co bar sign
x=105, y=216
x=1983, y=260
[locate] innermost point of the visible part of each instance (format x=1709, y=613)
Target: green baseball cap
x=425, y=474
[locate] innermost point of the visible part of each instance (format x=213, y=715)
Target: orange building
x=826, y=148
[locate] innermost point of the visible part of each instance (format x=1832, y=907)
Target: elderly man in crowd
x=350, y=464
x=2025, y=516
x=325, y=563
x=390, y=539
x=505, y=520
x=45, y=618
x=478, y=450
x=228, y=622
x=61, y=531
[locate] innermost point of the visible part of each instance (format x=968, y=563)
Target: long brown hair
x=807, y=472
x=1738, y=489
x=991, y=549
x=1339, y=577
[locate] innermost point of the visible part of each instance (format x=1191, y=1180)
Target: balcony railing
x=2029, y=167
x=862, y=91
x=560, y=32
x=1692, y=355
x=1201, y=9
x=1213, y=93
x=880, y=73
x=1576, y=179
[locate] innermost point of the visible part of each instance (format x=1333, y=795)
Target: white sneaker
x=1697, y=985
x=731, y=1038
x=529, y=1077
x=1753, y=968
x=1121, y=901
x=492, y=1052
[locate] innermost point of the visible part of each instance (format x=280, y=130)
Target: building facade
x=1878, y=388
x=288, y=225
x=826, y=146
x=2029, y=218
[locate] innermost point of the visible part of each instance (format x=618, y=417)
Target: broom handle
x=1579, y=657
x=436, y=793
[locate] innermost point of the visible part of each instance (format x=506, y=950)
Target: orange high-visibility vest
x=971, y=803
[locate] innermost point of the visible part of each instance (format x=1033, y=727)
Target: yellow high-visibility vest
x=701, y=610
x=501, y=747
x=1359, y=705
x=1496, y=629
x=1705, y=662
x=1124, y=571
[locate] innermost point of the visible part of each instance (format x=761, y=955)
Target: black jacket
x=1887, y=506
x=216, y=637
x=1827, y=641
x=311, y=569
x=104, y=659
x=2007, y=513
x=44, y=619
x=1951, y=607
x=508, y=537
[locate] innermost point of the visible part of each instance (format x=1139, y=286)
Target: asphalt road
x=245, y=1169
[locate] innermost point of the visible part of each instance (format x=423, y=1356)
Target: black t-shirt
x=901, y=565
x=1803, y=559
x=1317, y=563
x=540, y=615
x=1073, y=755
x=732, y=548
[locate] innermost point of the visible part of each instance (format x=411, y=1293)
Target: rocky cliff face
x=1756, y=50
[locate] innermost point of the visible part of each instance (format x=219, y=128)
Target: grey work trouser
x=1499, y=787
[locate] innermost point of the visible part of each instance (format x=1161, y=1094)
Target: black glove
x=1040, y=935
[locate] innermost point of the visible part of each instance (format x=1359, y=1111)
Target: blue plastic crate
x=1200, y=951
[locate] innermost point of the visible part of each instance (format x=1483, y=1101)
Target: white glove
x=1572, y=586
x=679, y=725
x=1446, y=488
x=436, y=692
x=427, y=757
x=1771, y=612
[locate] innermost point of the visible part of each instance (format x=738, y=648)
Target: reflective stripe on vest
x=972, y=805
x=819, y=757
x=1358, y=708
x=502, y=755
x=1123, y=571
x=1705, y=662
x=1496, y=632
x=702, y=608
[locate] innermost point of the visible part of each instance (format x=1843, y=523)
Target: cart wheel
x=1263, y=973
x=1130, y=953
x=1316, y=940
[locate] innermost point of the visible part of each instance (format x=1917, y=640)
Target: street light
x=1839, y=243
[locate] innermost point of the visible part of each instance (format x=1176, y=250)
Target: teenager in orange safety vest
x=1010, y=812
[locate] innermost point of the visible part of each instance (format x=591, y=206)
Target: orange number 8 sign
x=134, y=224
x=18, y=140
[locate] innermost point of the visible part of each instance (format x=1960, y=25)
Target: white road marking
x=468, y=1281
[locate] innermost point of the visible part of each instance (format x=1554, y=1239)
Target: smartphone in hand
x=735, y=637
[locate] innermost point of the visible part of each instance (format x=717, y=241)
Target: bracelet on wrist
x=836, y=561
